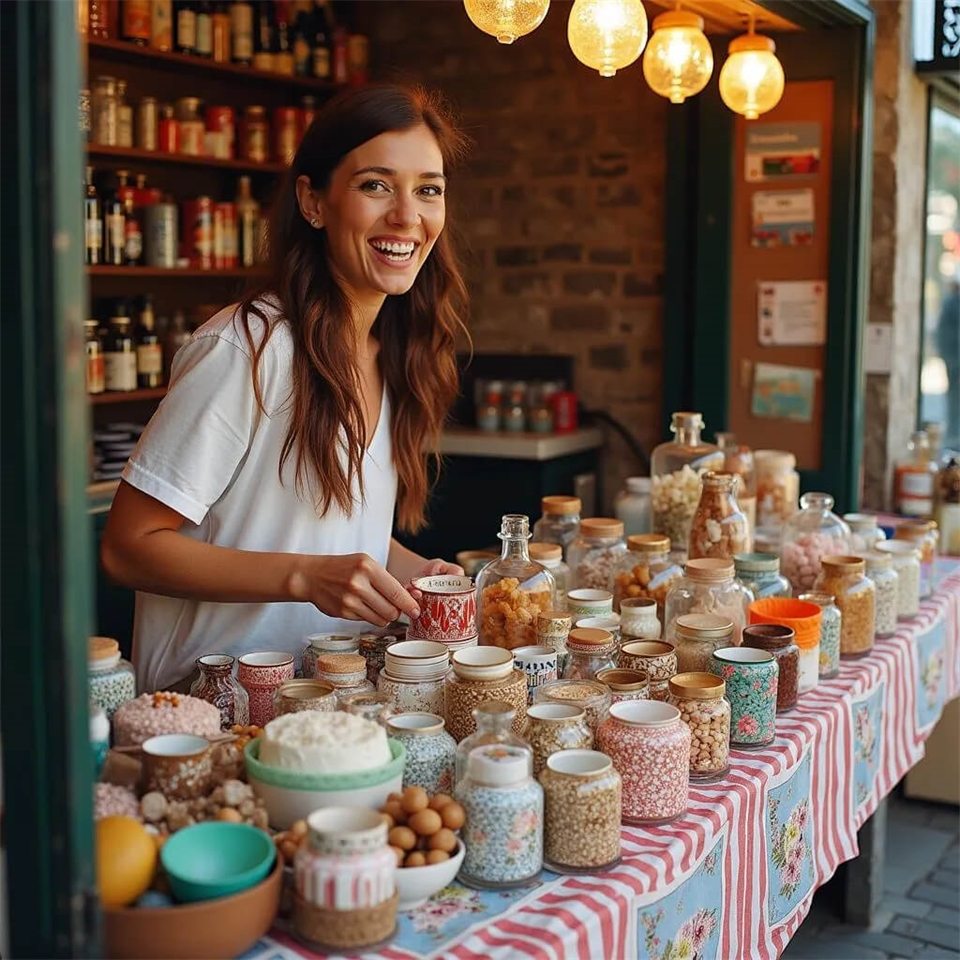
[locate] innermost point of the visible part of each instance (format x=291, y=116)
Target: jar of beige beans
x=700, y=699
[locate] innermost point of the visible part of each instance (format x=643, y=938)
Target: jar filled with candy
x=809, y=535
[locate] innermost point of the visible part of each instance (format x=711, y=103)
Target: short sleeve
x=190, y=451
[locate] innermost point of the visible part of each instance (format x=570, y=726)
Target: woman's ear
x=309, y=202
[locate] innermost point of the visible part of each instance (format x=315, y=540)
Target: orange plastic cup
x=801, y=616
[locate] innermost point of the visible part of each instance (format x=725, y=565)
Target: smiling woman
x=258, y=506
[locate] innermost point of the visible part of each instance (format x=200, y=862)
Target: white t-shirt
x=211, y=455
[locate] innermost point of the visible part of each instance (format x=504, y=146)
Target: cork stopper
x=102, y=648
x=709, y=569
x=561, y=506
x=601, y=527
x=590, y=637
x=548, y=552
x=342, y=663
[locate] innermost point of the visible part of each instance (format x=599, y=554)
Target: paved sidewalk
x=919, y=915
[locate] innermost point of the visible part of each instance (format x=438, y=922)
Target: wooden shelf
x=109, y=271
x=123, y=52
x=127, y=396
x=180, y=159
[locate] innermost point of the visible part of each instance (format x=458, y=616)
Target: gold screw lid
x=648, y=543
x=696, y=686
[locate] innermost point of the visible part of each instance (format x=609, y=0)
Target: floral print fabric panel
x=789, y=843
x=929, y=660
x=867, y=743
x=685, y=924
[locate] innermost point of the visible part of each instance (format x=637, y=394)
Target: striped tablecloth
x=734, y=878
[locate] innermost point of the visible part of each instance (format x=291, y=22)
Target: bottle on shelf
x=205, y=29
x=322, y=65
x=186, y=27
x=248, y=215
x=102, y=19
x=114, y=231
x=177, y=335
x=124, y=116
x=168, y=139
x=94, y=351
x=92, y=224
x=136, y=21
x=302, y=35
x=149, y=349
x=119, y=352
x=241, y=32
x=161, y=25
x=221, y=40
x=341, y=61
x=132, y=227
x=283, y=55
x=263, y=37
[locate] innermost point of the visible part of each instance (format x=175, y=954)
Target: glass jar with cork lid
x=590, y=651
x=559, y=523
x=551, y=556
x=707, y=586
x=697, y=636
x=597, y=553
x=647, y=571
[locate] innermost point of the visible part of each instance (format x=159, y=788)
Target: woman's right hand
x=352, y=587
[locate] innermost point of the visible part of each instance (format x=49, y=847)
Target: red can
x=197, y=240
x=169, y=131
x=564, y=411
x=221, y=122
x=286, y=133
x=225, y=236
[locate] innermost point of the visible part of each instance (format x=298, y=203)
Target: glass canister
x=650, y=747
x=647, y=571
x=495, y=722
x=582, y=798
x=675, y=471
x=559, y=523
x=778, y=487
x=638, y=619
x=551, y=556
x=738, y=460
x=513, y=591
x=656, y=658
x=751, y=678
x=632, y=506
x=865, y=532
x=719, y=527
x=707, y=586
x=217, y=685
x=590, y=651
x=431, y=751
x=829, y=645
x=905, y=559
x=810, y=535
x=778, y=640
x=879, y=568
x=921, y=533
x=697, y=636
x=295, y=696
x=625, y=684
x=551, y=727
x=503, y=832
x=760, y=574
x=323, y=644
x=856, y=596
x=591, y=696
x=112, y=679
x=700, y=699
x=104, y=111
x=597, y=553
x=376, y=707
x=345, y=672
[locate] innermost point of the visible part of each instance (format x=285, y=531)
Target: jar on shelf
x=879, y=568
x=345, y=672
x=697, y=636
x=191, y=124
x=551, y=727
x=514, y=590
x=751, y=677
x=719, y=527
x=738, y=460
x=217, y=685
x=590, y=651
x=829, y=638
x=295, y=696
x=111, y=678
x=374, y=706
x=559, y=522
x=707, y=586
x=675, y=471
x=647, y=571
x=255, y=135
x=321, y=645
x=656, y=658
x=812, y=533
x=550, y=555
x=905, y=559
x=865, y=532
x=625, y=684
x=431, y=751
x=124, y=117
x=495, y=723
x=650, y=747
x=760, y=574
x=638, y=619
x=632, y=506
x=699, y=697
x=591, y=696
x=467, y=688
x=922, y=534
x=503, y=833
x=104, y=111
x=489, y=411
x=778, y=487
x=856, y=596
x=597, y=553
x=780, y=641
x=914, y=477
x=582, y=797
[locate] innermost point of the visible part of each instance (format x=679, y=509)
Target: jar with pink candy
x=812, y=533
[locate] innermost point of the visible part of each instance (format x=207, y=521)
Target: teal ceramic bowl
x=216, y=859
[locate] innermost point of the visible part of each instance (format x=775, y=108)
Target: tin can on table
x=160, y=235
x=751, y=677
x=197, y=244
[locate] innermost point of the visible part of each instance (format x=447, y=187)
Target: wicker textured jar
x=703, y=708
x=461, y=697
x=856, y=597
x=345, y=672
x=778, y=640
x=698, y=635
x=656, y=658
x=551, y=727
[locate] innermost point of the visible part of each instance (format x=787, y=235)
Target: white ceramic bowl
x=454, y=645
x=416, y=659
x=416, y=885
x=482, y=663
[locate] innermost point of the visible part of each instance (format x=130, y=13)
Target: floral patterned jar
x=719, y=527
x=650, y=748
x=495, y=722
x=905, y=559
x=260, y=674
x=647, y=572
x=923, y=535
x=880, y=570
x=590, y=651
x=424, y=695
x=323, y=644
x=865, y=532
x=656, y=658
x=780, y=641
x=295, y=696
x=551, y=727
x=829, y=658
x=751, y=679
x=503, y=833
x=707, y=586
x=431, y=751
x=700, y=699
x=217, y=685
x=760, y=574
x=856, y=597
x=345, y=672
x=625, y=684
x=638, y=618
x=583, y=804
x=698, y=635
x=597, y=553
x=112, y=679
x=591, y=696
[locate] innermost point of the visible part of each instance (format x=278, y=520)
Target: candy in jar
x=719, y=527
x=811, y=534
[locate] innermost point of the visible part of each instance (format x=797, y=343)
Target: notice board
x=779, y=281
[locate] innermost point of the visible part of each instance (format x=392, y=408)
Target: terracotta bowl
x=210, y=930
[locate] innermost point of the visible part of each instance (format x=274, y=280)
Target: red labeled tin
x=197, y=241
x=564, y=411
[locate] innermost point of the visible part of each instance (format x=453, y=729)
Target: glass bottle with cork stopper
x=560, y=521
x=719, y=527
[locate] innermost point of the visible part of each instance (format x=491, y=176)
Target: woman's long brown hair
x=417, y=331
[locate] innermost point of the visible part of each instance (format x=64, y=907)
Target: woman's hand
x=436, y=568
x=352, y=587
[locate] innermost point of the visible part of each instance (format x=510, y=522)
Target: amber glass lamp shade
x=506, y=19
x=607, y=35
x=751, y=81
x=678, y=61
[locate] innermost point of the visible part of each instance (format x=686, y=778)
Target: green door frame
x=46, y=613
x=698, y=229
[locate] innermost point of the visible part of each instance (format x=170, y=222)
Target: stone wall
x=560, y=207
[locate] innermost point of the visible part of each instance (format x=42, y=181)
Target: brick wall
x=561, y=206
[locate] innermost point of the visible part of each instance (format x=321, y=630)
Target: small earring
x=315, y=222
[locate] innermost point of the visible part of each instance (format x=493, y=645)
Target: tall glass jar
x=590, y=651
x=922, y=534
x=707, y=586
x=647, y=571
x=217, y=685
x=697, y=636
x=559, y=523
x=551, y=556
x=808, y=536
x=703, y=708
x=495, y=722
x=779, y=640
x=880, y=570
x=719, y=527
x=760, y=574
x=830, y=618
x=865, y=532
x=856, y=596
x=675, y=471
x=632, y=506
x=905, y=559
x=778, y=487
x=514, y=590
x=597, y=553
x=738, y=460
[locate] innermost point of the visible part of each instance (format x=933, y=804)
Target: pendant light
x=506, y=19
x=751, y=81
x=678, y=61
x=607, y=35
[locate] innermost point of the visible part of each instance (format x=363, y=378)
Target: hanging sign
x=781, y=151
x=792, y=313
x=782, y=218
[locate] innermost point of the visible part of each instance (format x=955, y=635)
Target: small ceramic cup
x=294, y=696
x=539, y=665
x=751, y=678
x=589, y=603
x=448, y=609
x=179, y=765
x=656, y=658
x=260, y=674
